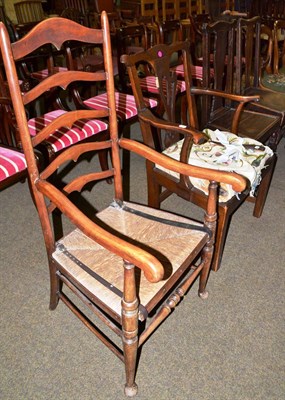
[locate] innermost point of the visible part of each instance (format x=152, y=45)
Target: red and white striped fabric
x=149, y=84
x=44, y=73
x=11, y=162
x=65, y=137
x=196, y=72
x=125, y=104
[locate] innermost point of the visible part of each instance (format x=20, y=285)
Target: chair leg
x=264, y=188
x=130, y=328
x=55, y=286
x=221, y=234
x=202, y=292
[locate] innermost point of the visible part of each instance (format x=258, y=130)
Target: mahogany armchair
x=175, y=30
x=217, y=153
x=223, y=107
x=250, y=67
x=128, y=260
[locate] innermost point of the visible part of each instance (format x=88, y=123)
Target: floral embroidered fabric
x=227, y=152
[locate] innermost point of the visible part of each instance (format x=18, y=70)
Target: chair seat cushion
x=154, y=230
x=44, y=73
x=227, y=152
x=66, y=137
x=149, y=84
x=196, y=71
x=11, y=162
x=125, y=104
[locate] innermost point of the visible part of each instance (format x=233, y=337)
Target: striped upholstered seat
x=196, y=72
x=66, y=137
x=125, y=104
x=149, y=84
x=12, y=162
x=44, y=73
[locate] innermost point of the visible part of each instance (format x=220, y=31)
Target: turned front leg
x=130, y=328
x=210, y=221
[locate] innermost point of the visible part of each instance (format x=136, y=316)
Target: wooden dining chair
x=130, y=39
x=250, y=69
x=150, y=8
x=129, y=265
x=219, y=152
x=29, y=11
x=82, y=7
x=183, y=9
x=51, y=105
x=169, y=9
x=231, y=114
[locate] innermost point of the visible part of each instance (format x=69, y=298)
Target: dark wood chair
x=169, y=9
x=150, y=8
x=115, y=13
x=250, y=68
x=222, y=108
x=171, y=31
x=29, y=11
x=215, y=153
x=51, y=105
x=83, y=8
x=128, y=264
x=130, y=39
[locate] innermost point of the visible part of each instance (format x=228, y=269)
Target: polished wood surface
x=160, y=184
x=127, y=264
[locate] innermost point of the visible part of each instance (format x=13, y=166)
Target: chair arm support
x=148, y=117
x=242, y=100
x=150, y=265
x=220, y=93
x=238, y=182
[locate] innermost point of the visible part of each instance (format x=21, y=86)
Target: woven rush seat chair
x=129, y=265
x=223, y=151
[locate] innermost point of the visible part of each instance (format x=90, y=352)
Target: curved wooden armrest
x=147, y=116
x=150, y=265
x=242, y=100
x=238, y=182
x=230, y=96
